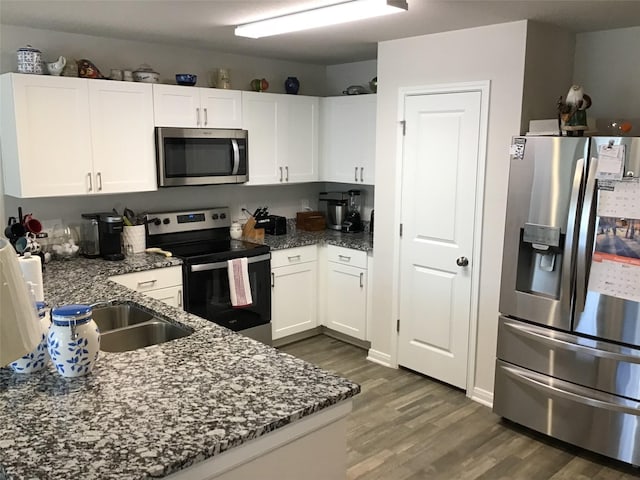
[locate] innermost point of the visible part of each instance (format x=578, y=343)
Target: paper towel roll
x=31, y=267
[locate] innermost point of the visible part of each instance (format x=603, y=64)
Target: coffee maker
x=353, y=221
x=337, y=205
x=110, y=228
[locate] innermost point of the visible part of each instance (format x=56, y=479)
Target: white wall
x=607, y=65
x=494, y=53
x=339, y=77
x=108, y=53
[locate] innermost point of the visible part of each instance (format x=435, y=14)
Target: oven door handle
x=236, y=157
x=203, y=267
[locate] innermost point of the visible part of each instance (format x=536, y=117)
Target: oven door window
x=198, y=157
x=207, y=295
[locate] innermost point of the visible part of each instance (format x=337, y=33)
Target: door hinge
x=400, y=230
x=398, y=326
x=404, y=127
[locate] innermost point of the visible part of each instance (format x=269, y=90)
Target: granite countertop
x=153, y=411
x=300, y=238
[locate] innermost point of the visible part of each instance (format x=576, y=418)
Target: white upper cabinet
x=348, y=149
x=122, y=136
x=72, y=136
x=283, y=137
x=193, y=107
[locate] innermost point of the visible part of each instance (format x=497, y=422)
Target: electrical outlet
x=242, y=215
x=304, y=204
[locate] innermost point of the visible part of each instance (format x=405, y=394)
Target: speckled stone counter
x=299, y=238
x=153, y=411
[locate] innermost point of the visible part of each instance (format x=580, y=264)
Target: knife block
x=250, y=232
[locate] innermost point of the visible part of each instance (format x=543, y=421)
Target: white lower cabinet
x=294, y=290
x=346, y=295
x=164, y=284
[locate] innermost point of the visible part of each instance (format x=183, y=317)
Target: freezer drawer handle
x=566, y=344
x=532, y=380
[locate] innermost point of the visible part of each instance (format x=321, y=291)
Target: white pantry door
x=439, y=170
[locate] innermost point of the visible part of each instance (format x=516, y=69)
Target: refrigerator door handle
x=568, y=261
x=585, y=237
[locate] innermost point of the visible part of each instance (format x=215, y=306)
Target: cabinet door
x=261, y=116
x=221, y=108
x=293, y=299
x=347, y=300
x=170, y=295
x=46, y=139
x=348, y=139
x=300, y=136
x=122, y=136
x=176, y=106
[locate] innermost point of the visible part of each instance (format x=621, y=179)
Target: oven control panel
x=188, y=221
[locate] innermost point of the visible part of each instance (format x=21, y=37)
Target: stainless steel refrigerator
x=568, y=356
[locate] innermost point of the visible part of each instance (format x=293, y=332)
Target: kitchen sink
x=125, y=327
x=119, y=316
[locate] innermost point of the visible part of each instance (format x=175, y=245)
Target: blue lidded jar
x=35, y=360
x=73, y=340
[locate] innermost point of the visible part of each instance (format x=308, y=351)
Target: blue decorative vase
x=292, y=85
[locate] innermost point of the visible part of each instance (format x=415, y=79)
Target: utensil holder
x=134, y=239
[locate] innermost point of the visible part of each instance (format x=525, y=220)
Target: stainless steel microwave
x=200, y=156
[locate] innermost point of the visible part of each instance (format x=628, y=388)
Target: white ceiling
x=210, y=23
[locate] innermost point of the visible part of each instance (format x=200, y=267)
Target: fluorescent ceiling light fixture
x=320, y=17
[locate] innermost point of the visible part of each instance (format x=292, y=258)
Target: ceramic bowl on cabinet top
x=145, y=74
x=188, y=79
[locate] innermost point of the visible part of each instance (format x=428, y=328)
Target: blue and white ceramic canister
x=73, y=340
x=29, y=60
x=35, y=360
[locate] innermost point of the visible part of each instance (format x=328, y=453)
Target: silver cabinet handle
x=294, y=257
x=206, y=117
x=281, y=177
x=361, y=277
x=180, y=297
x=287, y=177
x=90, y=187
x=355, y=175
x=273, y=280
x=99, y=178
x=147, y=283
x=344, y=258
x=462, y=261
x=362, y=174
x=198, y=117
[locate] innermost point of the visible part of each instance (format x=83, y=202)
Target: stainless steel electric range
x=201, y=239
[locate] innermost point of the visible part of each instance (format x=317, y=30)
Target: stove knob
x=223, y=216
x=156, y=222
x=166, y=221
x=214, y=216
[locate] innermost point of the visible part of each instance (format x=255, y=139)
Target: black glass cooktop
x=216, y=250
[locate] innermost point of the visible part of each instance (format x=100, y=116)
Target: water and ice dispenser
x=540, y=260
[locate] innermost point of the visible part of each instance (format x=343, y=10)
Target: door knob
x=462, y=261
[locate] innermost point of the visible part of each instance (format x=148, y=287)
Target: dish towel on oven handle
x=239, y=285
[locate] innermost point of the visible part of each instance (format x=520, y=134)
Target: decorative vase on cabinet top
x=292, y=85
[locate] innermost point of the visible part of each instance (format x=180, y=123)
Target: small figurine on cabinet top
x=87, y=69
x=572, y=114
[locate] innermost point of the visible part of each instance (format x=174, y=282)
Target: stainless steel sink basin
x=119, y=316
x=126, y=327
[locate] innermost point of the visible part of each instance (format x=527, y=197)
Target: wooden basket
x=311, y=221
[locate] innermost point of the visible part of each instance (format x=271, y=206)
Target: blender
x=353, y=221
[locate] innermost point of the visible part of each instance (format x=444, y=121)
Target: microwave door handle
x=585, y=237
x=236, y=156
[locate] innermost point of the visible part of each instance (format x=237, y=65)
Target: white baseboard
x=484, y=397
x=380, y=358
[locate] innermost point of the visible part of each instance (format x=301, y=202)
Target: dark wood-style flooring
x=405, y=426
